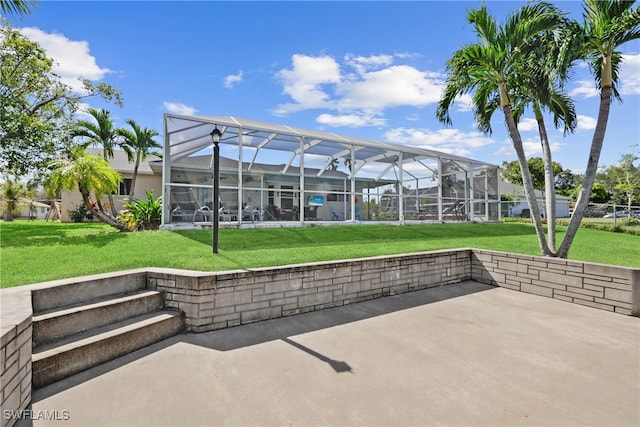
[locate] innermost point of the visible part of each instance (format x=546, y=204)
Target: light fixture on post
x=215, y=137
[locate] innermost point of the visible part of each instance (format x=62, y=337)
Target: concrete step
x=61, y=359
x=87, y=288
x=54, y=324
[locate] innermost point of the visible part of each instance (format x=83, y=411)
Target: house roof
x=518, y=190
x=121, y=163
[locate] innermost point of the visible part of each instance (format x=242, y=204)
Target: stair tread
x=94, y=303
x=95, y=335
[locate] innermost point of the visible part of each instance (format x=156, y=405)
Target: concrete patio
x=465, y=354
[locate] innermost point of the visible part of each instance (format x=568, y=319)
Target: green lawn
x=36, y=251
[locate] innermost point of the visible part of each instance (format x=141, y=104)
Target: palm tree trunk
x=101, y=216
x=526, y=179
x=549, y=182
x=133, y=180
x=590, y=172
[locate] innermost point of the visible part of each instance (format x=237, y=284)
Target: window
x=337, y=197
x=125, y=187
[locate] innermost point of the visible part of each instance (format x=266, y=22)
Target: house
x=520, y=207
x=274, y=173
x=149, y=178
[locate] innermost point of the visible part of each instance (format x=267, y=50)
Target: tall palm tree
x=138, y=145
x=541, y=88
x=89, y=174
x=607, y=25
x=17, y=7
x=101, y=132
x=487, y=67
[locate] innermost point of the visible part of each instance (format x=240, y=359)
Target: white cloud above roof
x=374, y=85
x=451, y=141
x=72, y=58
x=179, y=108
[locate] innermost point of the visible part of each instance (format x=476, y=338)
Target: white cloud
x=232, y=79
x=377, y=84
x=585, y=89
x=586, y=122
x=72, y=59
x=452, y=141
x=350, y=120
x=464, y=103
x=532, y=148
x=398, y=85
x=364, y=63
x=305, y=82
x=179, y=108
x=629, y=76
x=528, y=125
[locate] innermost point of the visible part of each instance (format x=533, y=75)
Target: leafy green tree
x=623, y=181
x=512, y=173
x=492, y=69
x=12, y=192
x=607, y=25
x=599, y=193
x=138, y=145
x=566, y=182
x=35, y=117
x=100, y=132
x=90, y=175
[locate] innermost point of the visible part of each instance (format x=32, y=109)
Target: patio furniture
x=187, y=206
x=335, y=215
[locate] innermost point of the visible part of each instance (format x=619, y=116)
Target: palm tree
x=17, y=7
x=138, y=145
x=89, y=174
x=547, y=71
x=103, y=133
x=607, y=25
x=491, y=69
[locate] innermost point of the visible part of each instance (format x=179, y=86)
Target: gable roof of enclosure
x=186, y=135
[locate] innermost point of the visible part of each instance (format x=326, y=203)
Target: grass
x=36, y=251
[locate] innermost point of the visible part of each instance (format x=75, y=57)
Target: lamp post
x=215, y=137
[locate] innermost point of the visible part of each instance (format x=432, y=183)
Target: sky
x=365, y=69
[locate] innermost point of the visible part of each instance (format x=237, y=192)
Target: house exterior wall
x=71, y=199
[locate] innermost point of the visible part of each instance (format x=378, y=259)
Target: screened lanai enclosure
x=273, y=173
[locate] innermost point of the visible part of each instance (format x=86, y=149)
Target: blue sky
x=366, y=69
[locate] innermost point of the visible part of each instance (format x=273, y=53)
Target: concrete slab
x=465, y=354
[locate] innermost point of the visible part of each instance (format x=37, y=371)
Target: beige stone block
x=315, y=299
x=593, y=304
x=618, y=295
x=607, y=271
x=552, y=277
x=537, y=290
x=575, y=295
x=583, y=291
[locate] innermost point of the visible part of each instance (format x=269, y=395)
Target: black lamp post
x=215, y=136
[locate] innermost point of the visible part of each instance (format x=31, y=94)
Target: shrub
x=142, y=214
x=79, y=214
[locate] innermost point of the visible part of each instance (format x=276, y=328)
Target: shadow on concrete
x=337, y=365
x=279, y=329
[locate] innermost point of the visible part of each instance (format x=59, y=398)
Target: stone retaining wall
x=15, y=355
x=219, y=300
x=600, y=286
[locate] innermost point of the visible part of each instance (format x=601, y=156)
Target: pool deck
x=459, y=355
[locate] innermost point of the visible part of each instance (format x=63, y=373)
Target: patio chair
x=187, y=205
x=250, y=214
x=335, y=215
